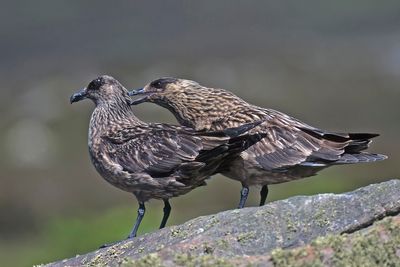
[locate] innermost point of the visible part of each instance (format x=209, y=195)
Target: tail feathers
x=361, y=136
x=360, y=158
x=339, y=137
x=346, y=159
x=357, y=146
x=359, y=142
x=353, y=143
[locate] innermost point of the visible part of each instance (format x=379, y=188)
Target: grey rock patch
x=256, y=231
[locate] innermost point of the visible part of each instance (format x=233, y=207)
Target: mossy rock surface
x=359, y=227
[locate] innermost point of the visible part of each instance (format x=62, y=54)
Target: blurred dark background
x=335, y=65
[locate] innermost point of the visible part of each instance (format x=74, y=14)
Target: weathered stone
x=247, y=236
x=377, y=245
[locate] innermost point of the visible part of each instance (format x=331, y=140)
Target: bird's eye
x=95, y=84
x=157, y=84
x=162, y=83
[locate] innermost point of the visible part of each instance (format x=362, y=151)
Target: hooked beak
x=78, y=96
x=140, y=91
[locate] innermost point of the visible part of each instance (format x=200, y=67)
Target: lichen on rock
x=359, y=228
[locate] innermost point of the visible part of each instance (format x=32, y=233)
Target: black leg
x=139, y=218
x=167, y=211
x=243, y=196
x=141, y=212
x=263, y=194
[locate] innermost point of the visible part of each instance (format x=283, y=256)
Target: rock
x=281, y=233
x=377, y=245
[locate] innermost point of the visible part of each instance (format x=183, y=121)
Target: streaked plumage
x=290, y=150
x=153, y=161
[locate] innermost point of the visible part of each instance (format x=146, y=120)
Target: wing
x=157, y=149
x=290, y=142
x=286, y=146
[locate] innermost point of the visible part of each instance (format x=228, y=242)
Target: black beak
x=136, y=92
x=78, y=96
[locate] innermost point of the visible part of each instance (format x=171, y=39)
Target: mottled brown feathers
x=290, y=148
x=152, y=160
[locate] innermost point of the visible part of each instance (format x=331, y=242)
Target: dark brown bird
x=153, y=161
x=291, y=149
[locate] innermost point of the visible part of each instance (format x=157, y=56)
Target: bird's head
x=165, y=90
x=102, y=90
x=192, y=104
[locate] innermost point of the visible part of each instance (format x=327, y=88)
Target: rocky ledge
x=359, y=228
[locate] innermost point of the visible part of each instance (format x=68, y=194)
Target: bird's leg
x=167, y=211
x=243, y=196
x=139, y=218
x=263, y=194
x=141, y=212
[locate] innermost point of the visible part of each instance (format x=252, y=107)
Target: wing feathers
x=289, y=143
x=164, y=150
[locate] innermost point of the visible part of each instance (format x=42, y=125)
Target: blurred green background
x=335, y=65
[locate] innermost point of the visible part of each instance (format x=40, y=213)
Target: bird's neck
x=202, y=111
x=107, y=115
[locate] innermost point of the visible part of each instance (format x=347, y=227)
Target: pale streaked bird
x=291, y=149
